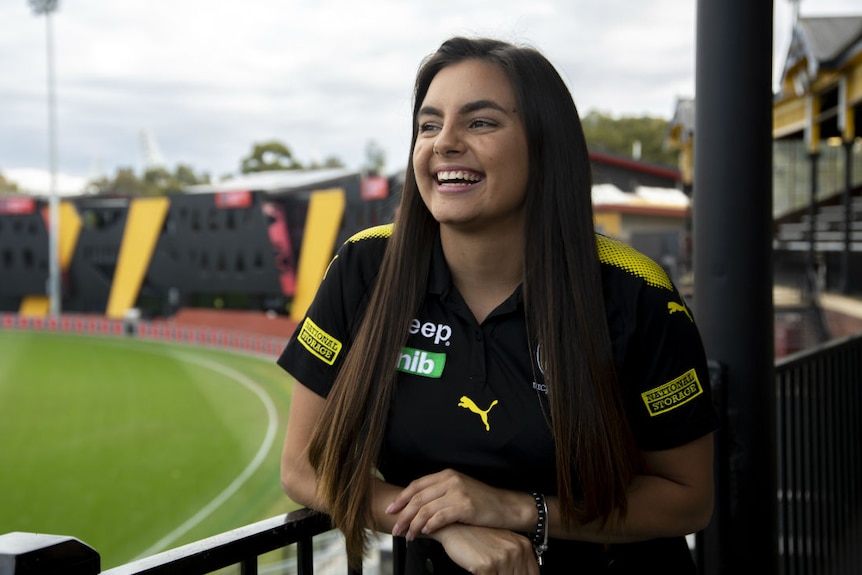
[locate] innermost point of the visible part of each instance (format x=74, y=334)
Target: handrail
x=32, y=554
x=242, y=545
x=819, y=419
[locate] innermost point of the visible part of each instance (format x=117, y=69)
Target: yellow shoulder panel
x=382, y=231
x=621, y=255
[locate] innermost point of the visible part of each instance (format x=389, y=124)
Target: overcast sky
x=207, y=79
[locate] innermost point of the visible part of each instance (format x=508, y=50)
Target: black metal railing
x=242, y=546
x=819, y=417
x=33, y=554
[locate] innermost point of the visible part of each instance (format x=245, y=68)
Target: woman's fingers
x=443, y=498
x=488, y=551
x=416, y=487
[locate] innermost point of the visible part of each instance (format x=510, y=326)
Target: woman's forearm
x=674, y=496
x=656, y=508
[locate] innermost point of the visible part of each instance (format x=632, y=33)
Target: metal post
x=848, y=216
x=811, y=272
x=733, y=273
x=47, y=7
x=54, y=208
x=42, y=554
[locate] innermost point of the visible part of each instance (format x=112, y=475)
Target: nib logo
x=419, y=362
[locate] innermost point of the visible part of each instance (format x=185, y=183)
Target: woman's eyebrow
x=429, y=111
x=480, y=105
x=465, y=109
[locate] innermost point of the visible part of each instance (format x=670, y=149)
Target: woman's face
x=470, y=157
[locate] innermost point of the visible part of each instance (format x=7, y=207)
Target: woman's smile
x=453, y=180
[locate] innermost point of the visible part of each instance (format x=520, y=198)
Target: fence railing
x=34, y=554
x=819, y=417
x=242, y=546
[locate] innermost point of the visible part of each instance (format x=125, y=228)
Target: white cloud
x=324, y=76
x=36, y=181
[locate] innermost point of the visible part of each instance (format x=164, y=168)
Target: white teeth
x=458, y=175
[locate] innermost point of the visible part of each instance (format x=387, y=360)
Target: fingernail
x=389, y=509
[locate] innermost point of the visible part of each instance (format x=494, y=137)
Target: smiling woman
x=122, y=443
x=522, y=440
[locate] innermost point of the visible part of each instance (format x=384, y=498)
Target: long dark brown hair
x=595, y=452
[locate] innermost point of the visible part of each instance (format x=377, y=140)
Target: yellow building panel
x=70, y=229
x=325, y=212
x=788, y=117
x=813, y=136
x=35, y=306
x=825, y=80
x=608, y=223
x=854, y=85
x=143, y=226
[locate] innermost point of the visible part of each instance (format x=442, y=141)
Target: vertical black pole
x=813, y=161
x=733, y=272
x=848, y=216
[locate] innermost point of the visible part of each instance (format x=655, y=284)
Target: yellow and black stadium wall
x=243, y=250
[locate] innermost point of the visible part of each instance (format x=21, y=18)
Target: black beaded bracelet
x=540, y=537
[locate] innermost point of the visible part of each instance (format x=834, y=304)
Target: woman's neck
x=485, y=268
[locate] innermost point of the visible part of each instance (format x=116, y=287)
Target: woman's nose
x=448, y=143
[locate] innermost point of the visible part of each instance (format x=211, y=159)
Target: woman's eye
x=481, y=124
x=427, y=127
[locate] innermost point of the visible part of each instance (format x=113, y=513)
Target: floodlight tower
x=795, y=6
x=47, y=7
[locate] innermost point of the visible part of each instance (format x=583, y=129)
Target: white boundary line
x=253, y=466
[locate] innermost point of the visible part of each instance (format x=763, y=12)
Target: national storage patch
x=672, y=394
x=318, y=342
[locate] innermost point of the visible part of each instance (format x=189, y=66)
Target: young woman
x=488, y=377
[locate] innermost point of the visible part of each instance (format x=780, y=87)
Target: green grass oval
x=118, y=441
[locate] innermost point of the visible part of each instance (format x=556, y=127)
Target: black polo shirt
x=471, y=397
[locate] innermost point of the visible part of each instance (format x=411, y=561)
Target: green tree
x=272, y=155
x=329, y=162
x=186, y=176
x=7, y=186
x=375, y=158
x=126, y=183
x=156, y=181
x=159, y=178
x=604, y=133
x=123, y=183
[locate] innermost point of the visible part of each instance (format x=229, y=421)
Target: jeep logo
x=439, y=332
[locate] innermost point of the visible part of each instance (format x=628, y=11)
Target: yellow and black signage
x=318, y=342
x=672, y=394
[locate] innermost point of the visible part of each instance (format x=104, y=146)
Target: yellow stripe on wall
x=70, y=229
x=325, y=212
x=35, y=306
x=143, y=226
x=608, y=223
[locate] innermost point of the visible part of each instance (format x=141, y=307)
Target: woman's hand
x=488, y=551
x=440, y=499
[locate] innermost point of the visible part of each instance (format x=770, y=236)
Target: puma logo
x=673, y=307
x=468, y=403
